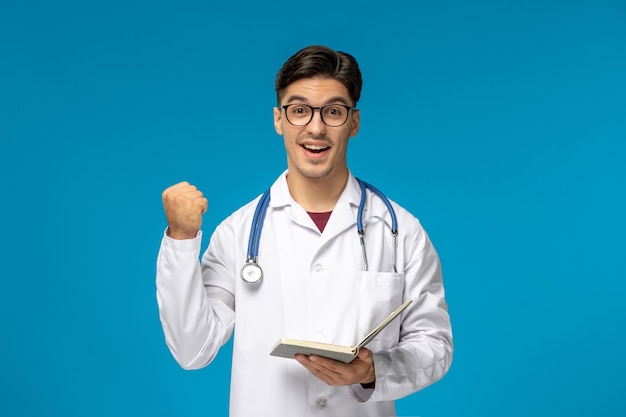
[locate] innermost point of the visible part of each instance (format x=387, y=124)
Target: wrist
x=178, y=235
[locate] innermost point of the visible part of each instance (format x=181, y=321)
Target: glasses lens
x=334, y=115
x=298, y=114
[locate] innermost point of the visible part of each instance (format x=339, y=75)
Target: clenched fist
x=184, y=206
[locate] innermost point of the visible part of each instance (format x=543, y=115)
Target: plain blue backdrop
x=501, y=125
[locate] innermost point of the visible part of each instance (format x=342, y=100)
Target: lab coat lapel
x=280, y=198
x=342, y=218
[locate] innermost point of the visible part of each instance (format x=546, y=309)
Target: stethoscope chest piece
x=251, y=272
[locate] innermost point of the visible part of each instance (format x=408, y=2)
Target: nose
x=316, y=126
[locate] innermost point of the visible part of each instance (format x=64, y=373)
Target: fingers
x=337, y=373
x=184, y=206
x=182, y=189
x=184, y=193
x=324, y=369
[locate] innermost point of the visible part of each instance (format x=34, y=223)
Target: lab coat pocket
x=380, y=293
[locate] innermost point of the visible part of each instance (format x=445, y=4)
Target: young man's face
x=316, y=150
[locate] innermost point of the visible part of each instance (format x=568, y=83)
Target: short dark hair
x=320, y=61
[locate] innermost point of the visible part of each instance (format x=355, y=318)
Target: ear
x=278, y=120
x=356, y=122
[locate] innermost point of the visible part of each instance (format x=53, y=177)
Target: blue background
x=501, y=125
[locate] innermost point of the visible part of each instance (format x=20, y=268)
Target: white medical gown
x=313, y=288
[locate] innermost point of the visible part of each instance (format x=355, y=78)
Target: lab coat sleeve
x=424, y=352
x=197, y=317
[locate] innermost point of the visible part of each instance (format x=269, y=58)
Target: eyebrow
x=331, y=100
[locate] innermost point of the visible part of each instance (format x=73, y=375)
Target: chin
x=314, y=174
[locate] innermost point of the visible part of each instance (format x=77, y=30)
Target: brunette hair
x=320, y=61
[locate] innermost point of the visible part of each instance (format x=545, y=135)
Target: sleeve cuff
x=184, y=245
x=359, y=393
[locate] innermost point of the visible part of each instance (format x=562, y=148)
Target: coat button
x=321, y=401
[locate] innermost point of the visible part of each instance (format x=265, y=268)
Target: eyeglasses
x=333, y=115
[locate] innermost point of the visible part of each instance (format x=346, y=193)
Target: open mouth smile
x=315, y=148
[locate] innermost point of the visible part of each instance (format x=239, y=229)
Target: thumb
x=364, y=353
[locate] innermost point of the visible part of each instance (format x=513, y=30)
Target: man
x=317, y=283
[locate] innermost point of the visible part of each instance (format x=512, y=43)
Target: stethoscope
x=252, y=272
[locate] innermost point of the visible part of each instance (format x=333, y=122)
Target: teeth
x=315, y=147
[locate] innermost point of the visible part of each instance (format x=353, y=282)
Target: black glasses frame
x=321, y=108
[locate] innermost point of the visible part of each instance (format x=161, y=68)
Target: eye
x=299, y=110
x=334, y=111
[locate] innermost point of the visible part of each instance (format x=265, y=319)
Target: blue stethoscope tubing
x=252, y=272
x=359, y=221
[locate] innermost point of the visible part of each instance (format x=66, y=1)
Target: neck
x=317, y=195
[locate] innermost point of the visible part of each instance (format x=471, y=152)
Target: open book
x=288, y=348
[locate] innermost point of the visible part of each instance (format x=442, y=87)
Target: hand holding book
x=288, y=348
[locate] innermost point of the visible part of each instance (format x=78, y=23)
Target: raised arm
x=196, y=321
